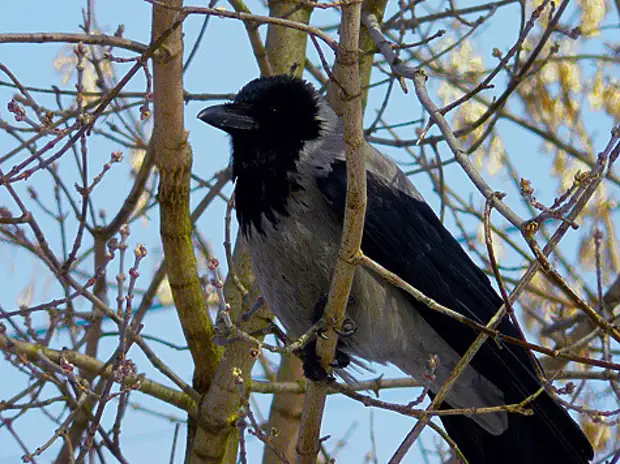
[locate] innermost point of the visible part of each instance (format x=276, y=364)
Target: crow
x=289, y=168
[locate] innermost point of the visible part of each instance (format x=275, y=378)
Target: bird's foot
x=312, y=363
x=317, y=314
x=349, y=327
x=313, y=369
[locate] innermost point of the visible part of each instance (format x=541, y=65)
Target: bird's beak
x=231, y=117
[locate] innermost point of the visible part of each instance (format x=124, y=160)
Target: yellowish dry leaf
x=136, y=156
x=569, y=75
x=586, y=253
x=611, y=98
x=164, y=292
x=595, y=96
x=24, y=298
x=498, y=243
x=496, y=153
x=598, y=433
x=592, y=14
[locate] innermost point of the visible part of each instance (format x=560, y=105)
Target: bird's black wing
x=404, y=235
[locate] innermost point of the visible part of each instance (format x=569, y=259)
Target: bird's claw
x=321, y=333
x=349, y=327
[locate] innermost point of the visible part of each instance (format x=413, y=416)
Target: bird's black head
x=276, y=110
x=269, y=121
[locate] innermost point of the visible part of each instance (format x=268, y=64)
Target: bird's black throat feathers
x=264, y=159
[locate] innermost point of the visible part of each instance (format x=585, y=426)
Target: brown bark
x=173, y=158
x=285, y=413
x=286, y=47
x=215, y=442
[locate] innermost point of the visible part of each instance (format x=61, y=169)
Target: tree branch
x=87, y=39
x=149, y=387
x=355, y=210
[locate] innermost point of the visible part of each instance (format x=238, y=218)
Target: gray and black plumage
x=289, y=166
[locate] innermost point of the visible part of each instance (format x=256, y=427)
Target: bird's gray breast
x=293, y=258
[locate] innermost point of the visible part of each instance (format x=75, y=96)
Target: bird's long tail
x=548, y=436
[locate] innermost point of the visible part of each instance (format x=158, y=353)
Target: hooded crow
x=288, y=162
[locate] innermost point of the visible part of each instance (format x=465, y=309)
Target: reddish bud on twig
x=17, y=110
x=66, y=365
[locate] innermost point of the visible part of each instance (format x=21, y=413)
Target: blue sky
x=224, y=64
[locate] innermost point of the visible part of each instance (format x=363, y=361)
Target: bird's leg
x=311, y=362
x=349, y=327
x=317, y=314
